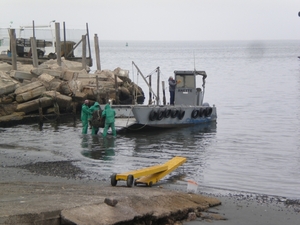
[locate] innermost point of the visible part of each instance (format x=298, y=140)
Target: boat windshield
x=185, y=81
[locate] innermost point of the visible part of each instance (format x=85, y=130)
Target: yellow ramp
x=131, y=175
x=154, y=178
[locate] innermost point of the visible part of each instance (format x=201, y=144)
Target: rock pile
x=61, y=89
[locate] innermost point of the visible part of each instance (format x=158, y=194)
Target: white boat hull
x=157, y=116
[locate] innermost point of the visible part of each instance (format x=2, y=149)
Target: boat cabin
x=186, y=92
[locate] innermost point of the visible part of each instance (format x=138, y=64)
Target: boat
x=189, y=108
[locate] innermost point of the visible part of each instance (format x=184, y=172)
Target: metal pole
x=164, y=93
x=144, y=78
x=150, y=93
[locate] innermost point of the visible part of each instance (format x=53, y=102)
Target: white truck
x=24, y=47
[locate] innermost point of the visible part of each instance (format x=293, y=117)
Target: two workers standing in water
x=98, y=118
x=106, y=118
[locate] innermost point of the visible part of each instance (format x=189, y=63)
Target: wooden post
x=157, y=97
x=40, y=115
x=74, y=108
x=97, y=52
x=107, y=97
x=150, y=93
x=88, y=40
x=97, y=86
x=58, y=44
x=13, y=48
x=33, y=29
x=65, y=47
x=117, y=89
x=34, y=52
x=164, y=93
x=83, y=51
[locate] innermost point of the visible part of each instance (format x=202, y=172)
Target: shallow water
x=254, y=147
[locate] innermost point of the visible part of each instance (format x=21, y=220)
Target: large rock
x=32, y=94
x=64, y=102
x=7, y=84
x=121, y=73
x=22, y=75
x=5, y=67
x=7, y=109
x=12, y=117
x=28, y=87
x=34, y=105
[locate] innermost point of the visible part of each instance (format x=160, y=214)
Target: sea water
x=254, y=147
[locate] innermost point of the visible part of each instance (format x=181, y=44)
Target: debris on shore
x=53, y=89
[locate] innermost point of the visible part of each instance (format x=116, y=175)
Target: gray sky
x=163, y=19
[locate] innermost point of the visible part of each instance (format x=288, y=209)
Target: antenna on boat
x=194, y=61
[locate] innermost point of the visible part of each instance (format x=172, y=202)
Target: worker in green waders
x=85, y=113
x=109, y=115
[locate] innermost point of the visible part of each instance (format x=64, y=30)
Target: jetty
x=57, y=87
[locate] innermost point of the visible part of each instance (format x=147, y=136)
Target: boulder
x=34, y=105
x=28, y=87
x=7, y=84
x=121, y=73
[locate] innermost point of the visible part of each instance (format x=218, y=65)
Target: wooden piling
x=88, y=40
x=58, y=44
x=83, y=51
x=34, y=52
x=117, y=89
x=97, y=52
x=33, y=29
x=40, y=114
x=65, y=41
x=13, y=48
x=97, y=86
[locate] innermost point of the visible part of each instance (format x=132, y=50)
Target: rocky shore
x=52, y=89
